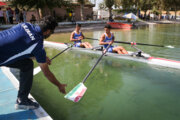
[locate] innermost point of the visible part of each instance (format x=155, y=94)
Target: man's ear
x=46, y=32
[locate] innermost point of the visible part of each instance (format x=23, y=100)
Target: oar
x=134, y=43
x=38, y=69
x=78, y=91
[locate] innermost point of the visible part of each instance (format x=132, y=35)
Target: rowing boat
x=119, y=25
x=145, y=58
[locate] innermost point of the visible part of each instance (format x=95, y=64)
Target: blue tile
x=8, y=95
x=5, y=83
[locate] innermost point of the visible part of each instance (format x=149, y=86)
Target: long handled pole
x=38, y=69
x=78, y=91
x=62, y=52
x=134, y=43
x=104, y=52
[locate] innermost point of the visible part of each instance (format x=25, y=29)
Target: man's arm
x=113, y=38
x=82, y=36
x=101, y=41
x=50, y=76
x=71, y=38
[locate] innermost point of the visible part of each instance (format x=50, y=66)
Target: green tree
x=137, y=5
x=38, y=4
x=126, y=4
x=109, y=4
x=146, y=5
x=118, y=3
x=172, y=5
x=176, y=6
x=155, y=5
x=82, y=3
x=102, y=6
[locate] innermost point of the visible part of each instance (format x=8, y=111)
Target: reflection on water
x=117, y=89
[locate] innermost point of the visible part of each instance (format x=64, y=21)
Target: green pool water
x=117, y=89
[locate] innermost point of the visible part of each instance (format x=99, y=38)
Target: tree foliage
x=109, y=3
x=149, y=4
x=38, y=4
x=154, y=5
x=81, y=2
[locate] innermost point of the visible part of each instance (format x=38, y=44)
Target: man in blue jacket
x=17, y=46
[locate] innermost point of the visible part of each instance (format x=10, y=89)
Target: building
x=73, y=10
x=63, y=13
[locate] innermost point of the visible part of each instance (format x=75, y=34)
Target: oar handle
x=37, y=70
x=62, y=51
x=103, y=53
x=122, y=42
x=132, y=43
x=91, y=38
x=150, y=45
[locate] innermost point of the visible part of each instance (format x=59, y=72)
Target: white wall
x=102, y=14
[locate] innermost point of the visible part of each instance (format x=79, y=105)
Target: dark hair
x=107, y=26
x=48, y=23
x=78, y=25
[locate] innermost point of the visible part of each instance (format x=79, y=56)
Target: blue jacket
x=21, y=41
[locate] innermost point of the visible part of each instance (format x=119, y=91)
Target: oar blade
x=76, y=93
x=169, y=46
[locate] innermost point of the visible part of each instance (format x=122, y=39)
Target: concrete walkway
x=8, y=95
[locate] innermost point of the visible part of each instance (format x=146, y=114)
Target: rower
x=108, y=38
x=77, y=36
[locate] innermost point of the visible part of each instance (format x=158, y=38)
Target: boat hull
x=119, y=25
x=146, y=59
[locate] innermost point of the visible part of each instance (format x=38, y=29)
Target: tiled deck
x=8, y=95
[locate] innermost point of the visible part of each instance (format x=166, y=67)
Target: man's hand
x=48, y=61
x=80, y=38
x=106, y=48
x=104, y=51
x=50, y=76
x=111, y=42
x=62, y=88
